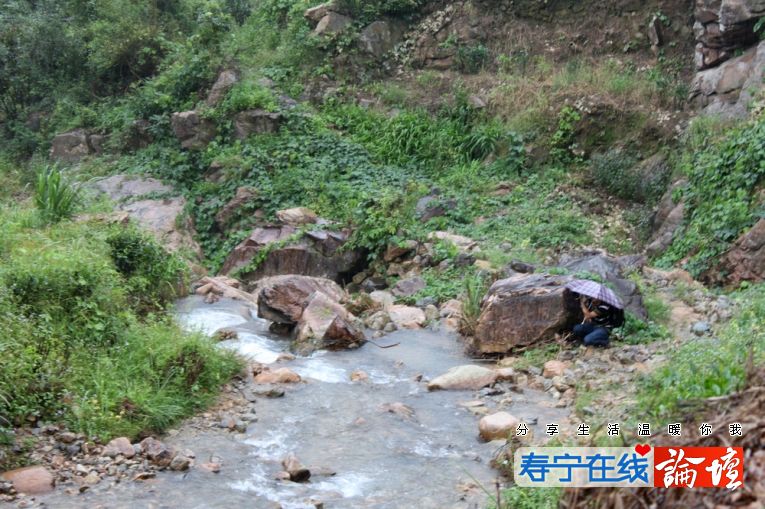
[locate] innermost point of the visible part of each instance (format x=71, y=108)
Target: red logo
x=642, y=449
x=698, y=467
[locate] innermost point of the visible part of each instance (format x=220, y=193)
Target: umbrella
x=596, y=291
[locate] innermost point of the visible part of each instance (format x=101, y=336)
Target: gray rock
x=380, y=37
x=249, y=122
x=332, y=23
x=226, y=80
x=700, y=328
x=408, y=287
x=71, y=146
x=192, y=130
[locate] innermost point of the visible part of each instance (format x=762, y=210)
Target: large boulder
x=523, y=310
x=380, y=37
x=71, y=146
x=612, y=270
x=192, y=130
x=249, y=122
x=290, y=251
x=30, y=480
x=723, y=26
x=226, y=287
x=666, y=220
x=164, y=218
x=729, y=89
x=745, y=261
x=463, y=378
x=325, y=324
x=226, y=80
x=282, y=299
x=332, y=23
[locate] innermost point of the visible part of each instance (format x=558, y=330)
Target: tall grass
x=55, y=197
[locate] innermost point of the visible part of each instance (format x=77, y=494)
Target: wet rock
x=118, y=446
x=431, y=313
x=497, y=426
x=180, y=463
x=157, y=452
x=282, y=299
x=554, y=368
x=313, y=253
x=406, y=317
x=277, y=376
x=408, y=287
x=378, y=320
x=467, y=377
x=295, y=469
x=273, y=392
x=253, y=122
x=226, y=80
x=359, y=376
x=524, y=310
x=192, y=130
x=30, y=480
x=282, y=476
x=399, y=409
x=297, y=216
x=212, y=467
x=225, y=287
x=326, y=324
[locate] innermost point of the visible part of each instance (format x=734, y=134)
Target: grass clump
x=528, y=498
x=55, y=197
x=77, y=345
x=707, y=367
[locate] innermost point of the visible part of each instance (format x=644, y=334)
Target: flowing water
x=380, y=459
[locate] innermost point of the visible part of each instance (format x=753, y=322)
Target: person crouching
x=599, y=320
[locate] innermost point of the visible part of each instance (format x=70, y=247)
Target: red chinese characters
x=698, y=467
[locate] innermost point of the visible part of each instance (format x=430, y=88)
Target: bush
x=620, y=174
x=55, y=198
x=471, y=59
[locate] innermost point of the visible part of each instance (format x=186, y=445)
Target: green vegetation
x=707, y=367
x=55, y=198
x=78, y=345
x=529, y=498
x=722, y=200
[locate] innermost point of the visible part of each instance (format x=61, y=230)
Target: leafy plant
x=563, y=138
x=474, y=290
x=55, y=198
x=471, y=59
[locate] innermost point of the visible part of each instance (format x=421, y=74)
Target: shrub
x=471, y=59
x=55, y=198
x=620, y=173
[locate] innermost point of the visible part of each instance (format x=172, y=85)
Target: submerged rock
x=278, y=376
x=468, y=377
x=297, y=472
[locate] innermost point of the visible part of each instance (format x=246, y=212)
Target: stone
x=745, y=260
x=666, y=220
x=554, y=368
x=394, y=251
x=120, y=445
x=431, y=313
x=278, y=376
x=249, y=122
x=243, y=196
x=377, y=320
x=297, y=216
x=325, y=324
x=382, y=299
x=730, y=89
x=164, y=218
x=315, y=14
x=180, y=463
x=399, y=409
x=497, y=426
x=461, y=378
x=700, y=328
x=312, y=253
x=282, y=299
x=157, y=452
x=380, y=37
x=225, y=287
x=724, y=26
x=331, y=23
x=523, y=310
x=359, y=376
x=226, y=80
x=464, y=244
x=408, y=287
x=71, y=146
x=655, y=32
x=30, y=480
x=406, y=317
x=192, y=130
x=295, y=469
x=67, y=437
x=612, y=270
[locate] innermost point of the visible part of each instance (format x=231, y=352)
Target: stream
x=380, y=459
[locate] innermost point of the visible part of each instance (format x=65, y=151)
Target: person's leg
x=598, y=337
x=581, y=330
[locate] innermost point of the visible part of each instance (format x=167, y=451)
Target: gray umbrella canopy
x=596, y=291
